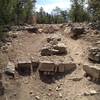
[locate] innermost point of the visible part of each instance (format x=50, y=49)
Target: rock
x=90, y=92
x=40, y=30
x=58, y=89
x=1, y=89
x=37, y=97
x=46, y=51
x=10, y=69
x=77, y=79
x=60, y=95
x=76, y=32
x=24, y=66
x=92, y=71
x=47, y=66
x=53, y=38
x=32, y=29
x=61, y=48
x=66, y=67
x=94, y=54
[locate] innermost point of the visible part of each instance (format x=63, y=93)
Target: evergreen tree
x=94, y=9
x=77, y=12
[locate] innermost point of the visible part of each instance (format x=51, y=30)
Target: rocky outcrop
x=92, y=71
x=94, y=54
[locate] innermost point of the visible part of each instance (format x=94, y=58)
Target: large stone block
x=24, y=66
x=47, y=66
x=92, y=71
x=66, y=67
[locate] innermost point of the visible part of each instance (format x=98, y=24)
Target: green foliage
x=57, y=16
x=77, y=12
x=94, y=9
x=15, y=12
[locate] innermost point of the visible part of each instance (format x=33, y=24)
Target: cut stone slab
x=10, y=69
x=66, y=67
x=47, y=66
x=92, y=71
x=24, y=66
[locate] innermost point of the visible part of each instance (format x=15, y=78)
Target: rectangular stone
x=46, y=66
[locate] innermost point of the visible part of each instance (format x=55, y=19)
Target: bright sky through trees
x=49, y=5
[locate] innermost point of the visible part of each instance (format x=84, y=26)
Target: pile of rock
x=76, y=32
x=54, y=47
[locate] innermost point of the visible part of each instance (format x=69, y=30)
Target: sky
x=49, y=5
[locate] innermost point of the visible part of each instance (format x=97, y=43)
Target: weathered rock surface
x=92, y=71
x=10, y=69
x=94, y=54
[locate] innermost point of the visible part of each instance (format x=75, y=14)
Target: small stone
x=37, y=97
x=92, y=92
x=50, y=89
x=58, y=88
x=60, y=95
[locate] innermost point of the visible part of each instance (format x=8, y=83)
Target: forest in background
x=20, y=12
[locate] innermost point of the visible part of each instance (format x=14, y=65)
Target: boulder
x=53, y=38
x=32, y=29
x=24, y=66
x=76, y=32
x=92, y=71
x=94, y=54
x=10, y=69
x=61, y=48
x=46, y=51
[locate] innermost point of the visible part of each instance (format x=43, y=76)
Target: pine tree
x=77, y=12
